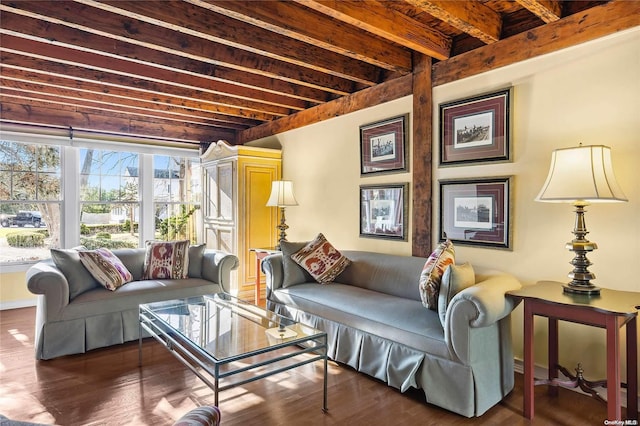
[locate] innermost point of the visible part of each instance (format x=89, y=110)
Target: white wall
x=589, y=93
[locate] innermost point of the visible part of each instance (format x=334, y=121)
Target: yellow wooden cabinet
x=237, y=183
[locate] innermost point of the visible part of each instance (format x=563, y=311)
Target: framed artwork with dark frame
x=383, y=211
x=383, y=146
x=477, y=129
x=477, y=212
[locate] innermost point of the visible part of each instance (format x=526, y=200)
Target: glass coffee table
x=227, y=342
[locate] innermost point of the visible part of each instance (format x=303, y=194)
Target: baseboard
x=541, y=372
x=16, y=304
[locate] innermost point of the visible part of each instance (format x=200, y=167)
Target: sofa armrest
x=45, y=279
x=273, y=268
x=217, y=266
x=481, y=305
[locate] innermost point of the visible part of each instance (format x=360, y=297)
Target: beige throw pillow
x=455, y=279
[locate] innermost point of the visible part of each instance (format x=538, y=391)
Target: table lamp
x=581, y=175
x=282, y=196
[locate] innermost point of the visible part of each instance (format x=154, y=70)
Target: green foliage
x=84, y=229
x=126, y=226
x=174, y=227
x=103, y=235
x=25, y=239
x=95, y=243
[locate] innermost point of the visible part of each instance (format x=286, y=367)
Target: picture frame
x=477, y=212
x=477, y=129
x=384, y=210
x=383, y=146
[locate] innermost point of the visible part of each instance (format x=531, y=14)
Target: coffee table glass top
x=226, y=327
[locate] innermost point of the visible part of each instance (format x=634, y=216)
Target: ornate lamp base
x=580, y=276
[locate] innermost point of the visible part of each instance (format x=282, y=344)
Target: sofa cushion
x=293, y=273
x=431, y=276
x=455, y=279
x=389, y=317
x=196, y=253
x=166, y=259
x=105, y=267
x=78, y=277
x=320, y=259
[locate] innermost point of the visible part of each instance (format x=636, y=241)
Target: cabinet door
x=220, y=206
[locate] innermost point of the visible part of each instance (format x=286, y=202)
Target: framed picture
x=383, y=211
x=476, y=130
x=476, y=211
x=383, y=146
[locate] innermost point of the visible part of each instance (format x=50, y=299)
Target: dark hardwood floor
x=106, y=387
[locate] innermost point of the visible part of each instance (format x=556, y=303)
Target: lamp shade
x=581, y=174
x=282, y=194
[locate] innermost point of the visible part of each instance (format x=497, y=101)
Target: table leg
x=528, y=360
x=554, y=360
x=257, y=287
x=613, y=369
x=632, y=369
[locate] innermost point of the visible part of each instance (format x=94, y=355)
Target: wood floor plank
x=106, y=387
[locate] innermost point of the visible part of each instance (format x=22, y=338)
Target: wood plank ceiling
x=201, y=70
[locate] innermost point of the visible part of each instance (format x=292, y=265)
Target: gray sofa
x=67, y=323
x=376, y=323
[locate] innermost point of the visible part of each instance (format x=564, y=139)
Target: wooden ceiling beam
x=42, y=113
x=471, y=17
x=578, y=28
x=86, y=94
x=383, y=92
x=300, y=23
x=381, y=19
x=94, y=21
x=547, y=10
x=204, y=25
x=132, y=74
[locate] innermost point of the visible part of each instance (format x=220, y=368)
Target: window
x=109, y=199
x=30, y=199
x=176, y=196
x=111, y=195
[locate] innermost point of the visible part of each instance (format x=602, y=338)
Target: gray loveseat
x=70, y=323
x=376, y=323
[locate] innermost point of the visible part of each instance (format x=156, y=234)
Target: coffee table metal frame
x=211, y=369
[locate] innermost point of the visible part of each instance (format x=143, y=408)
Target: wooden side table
x=260, y=253
x=610, y=310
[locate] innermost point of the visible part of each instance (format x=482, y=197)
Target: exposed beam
x=216, y=28
x=581, y=27
x=133, y=31
x=421, y=194
x=383, y=92
x=42, y=113
x=378, y=18
x=472, y=17
x=547, y=10
x=136, y=76
x=292, y=21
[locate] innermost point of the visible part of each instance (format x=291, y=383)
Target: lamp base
x=581, y=276
x=581, y=289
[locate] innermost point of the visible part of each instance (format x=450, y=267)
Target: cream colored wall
x=589, y=93
x=13, y=291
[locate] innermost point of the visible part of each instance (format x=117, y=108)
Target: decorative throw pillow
x=196, y=253
x=166, y=260
x=455, y=279
x=106, y=268
x=293, y=273
x=78, y=277
x=321, y=260
x=431, y=276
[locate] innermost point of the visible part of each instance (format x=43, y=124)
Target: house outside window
x=177, y=196
x=109, y=199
